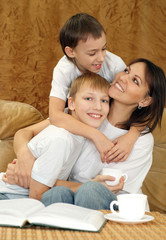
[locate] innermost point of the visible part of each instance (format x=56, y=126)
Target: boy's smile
x=90, y=54
x=90, y=106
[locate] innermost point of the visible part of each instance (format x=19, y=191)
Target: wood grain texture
x=29, y=45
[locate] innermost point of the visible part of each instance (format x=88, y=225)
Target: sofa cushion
x=155, y=183
x=6, y=153
x=16, y=115
x=13, y=116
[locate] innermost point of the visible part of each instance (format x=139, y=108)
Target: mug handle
x=112, y=207
x=125, y=176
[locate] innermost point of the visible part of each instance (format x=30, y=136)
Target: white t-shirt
x=56, y=151
x=65, y=72
x=136, y=166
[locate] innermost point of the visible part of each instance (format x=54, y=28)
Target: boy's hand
x=103, y=178
x=121, y=150
x=123, y=146
x=103, y=145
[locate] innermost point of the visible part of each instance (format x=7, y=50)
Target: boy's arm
x=66, y=121
x=37, y=189
x=123, y=145
x=71, y=185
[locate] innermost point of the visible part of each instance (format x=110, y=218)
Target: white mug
x=116, y=173
x=131, y=206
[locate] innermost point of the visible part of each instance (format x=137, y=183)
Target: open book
x=20, y=212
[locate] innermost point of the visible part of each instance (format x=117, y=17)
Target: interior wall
x=29, y=45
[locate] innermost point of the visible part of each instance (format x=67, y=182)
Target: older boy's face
x=90, y=54
x=91, y=106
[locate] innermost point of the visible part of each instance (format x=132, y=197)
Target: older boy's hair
x=78, y=27
x=93, y=80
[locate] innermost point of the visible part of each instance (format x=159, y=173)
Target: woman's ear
x=69, y=52
x=146, y=101
x=71, y=104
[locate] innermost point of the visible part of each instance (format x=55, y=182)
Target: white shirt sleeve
x=63, y=75
x=51, y=148
x=111, y=66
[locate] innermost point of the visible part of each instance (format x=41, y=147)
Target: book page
x=14, y=212
x=69, y=216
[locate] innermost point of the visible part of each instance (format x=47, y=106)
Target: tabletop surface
x=155, y=229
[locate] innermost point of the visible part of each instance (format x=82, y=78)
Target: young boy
x=83, y=41
x=55, y=149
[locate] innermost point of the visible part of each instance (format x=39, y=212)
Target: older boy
x=55, y=149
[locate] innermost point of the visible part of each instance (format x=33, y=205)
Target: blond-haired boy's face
x=90, y=106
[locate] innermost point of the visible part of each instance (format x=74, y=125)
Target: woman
x=138, y=98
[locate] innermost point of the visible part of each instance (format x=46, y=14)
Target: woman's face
x=130, y=87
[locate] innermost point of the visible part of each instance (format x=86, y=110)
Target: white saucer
x=115, y=218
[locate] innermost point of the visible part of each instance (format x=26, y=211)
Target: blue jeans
x=92, y=195
x=3, y=197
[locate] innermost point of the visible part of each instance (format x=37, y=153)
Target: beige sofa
x=16, y=115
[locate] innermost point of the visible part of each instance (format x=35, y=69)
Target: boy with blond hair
x=55, y=149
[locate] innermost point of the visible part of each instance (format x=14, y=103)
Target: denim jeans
x=92, y=195
x=3, y=197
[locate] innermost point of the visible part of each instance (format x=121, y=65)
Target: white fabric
x=136, y=166
x=65, y=72
x=12, y=189
x=56, y=151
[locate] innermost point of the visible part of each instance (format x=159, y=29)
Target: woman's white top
x=136, y=166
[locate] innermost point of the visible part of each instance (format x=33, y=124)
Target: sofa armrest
x=13, y=116
x=155, y=183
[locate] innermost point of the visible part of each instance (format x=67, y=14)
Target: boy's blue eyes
x=89, y=99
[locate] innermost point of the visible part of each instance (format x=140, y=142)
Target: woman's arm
x=19, y=171
x=61, y=119
x=99, y=178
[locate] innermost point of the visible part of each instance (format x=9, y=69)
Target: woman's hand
x=10, y=168
x=19, y=171
x=103, y=178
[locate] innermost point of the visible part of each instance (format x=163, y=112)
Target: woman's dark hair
x=151, y=115
x=78, y=27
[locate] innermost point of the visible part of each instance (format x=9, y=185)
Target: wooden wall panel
x=29, y=46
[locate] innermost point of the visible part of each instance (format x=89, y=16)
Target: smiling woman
x=131, y=87
x=142, y=85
